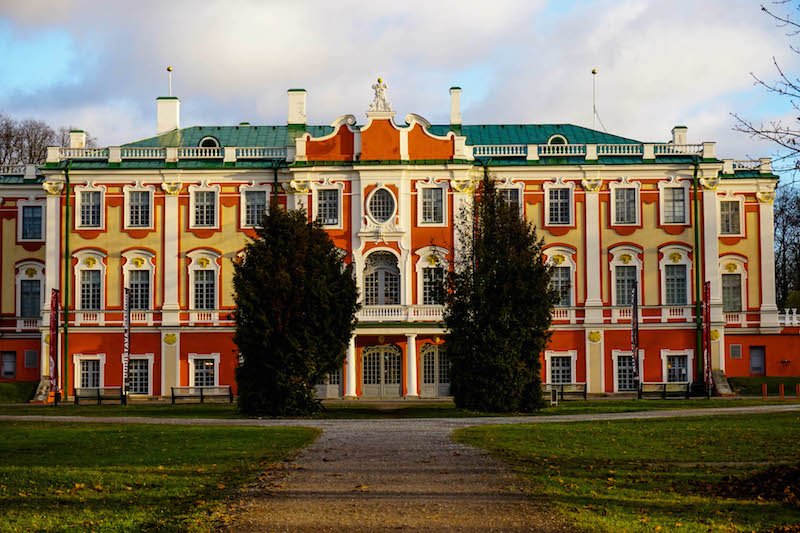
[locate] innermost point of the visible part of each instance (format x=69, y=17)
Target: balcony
x=117, y=154
x=401, y=313
x=789, y=318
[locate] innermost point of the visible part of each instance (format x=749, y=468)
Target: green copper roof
x=19, y=180
x=233, y=136
x=531, y=134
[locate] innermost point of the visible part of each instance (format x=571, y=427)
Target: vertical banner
x=635, y=329
x=126, y=342
x=707, y=336
x=53, y=345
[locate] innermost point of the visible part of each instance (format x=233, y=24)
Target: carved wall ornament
x=592, y=185
x=296, y=187
x=432, y=259
x=203, y=262
x=53, y=188
x=730, y=267
x=30, y=272
x=710, y=184
x=675, y=257
x=626, y=258
x=595, y=336
x=766, y=197
x=170, y=339
x=138, y=262
x=47, y=338
x=90, y=262
x=714, y=334
x=558, y=259
x=463, y=185
x=172, y=188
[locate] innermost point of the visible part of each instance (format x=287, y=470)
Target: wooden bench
x=564, y=390
x=99, y=394
x=664, y=390
x=203, y=393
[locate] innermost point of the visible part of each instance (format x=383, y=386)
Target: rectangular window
x=730, y=221
x=32, y=222
x=139, y=375
x=561, y=369
x=328, y=207
x=9, y=364
x=731, y=293
x=90, y=289
x=625, y=205
x=31, y=359
x=625, y=375
x=139, y=209
x=510, y=197
x=432, y=205
x=205, y=208
x=204, y=289
x=90, y=209
x=625, y=283
x=736, y=351
x=433, y=286
x=675, y=277
x=677, y=369
x=139, y=284
x=30, y=298
x=561, y=282
x=674, y=205
x=204, y=371
x=90, y=373
x=255, y=205
x=558, y=212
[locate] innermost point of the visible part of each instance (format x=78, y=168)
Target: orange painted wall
x=19, y=346
x=340, y=147
x=204, y=343
x=568, y=340
x=423, y=146
x=781, y=354
x=380, y=141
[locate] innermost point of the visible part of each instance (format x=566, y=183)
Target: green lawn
x=647, y=475
x=17, y=391
x=752, y=386
x=83, y=477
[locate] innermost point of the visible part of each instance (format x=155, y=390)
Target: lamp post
x=698, y=279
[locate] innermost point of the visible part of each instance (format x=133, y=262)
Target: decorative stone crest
x=296, y=187
x=170, y=339
x=595, y=336
x=626, y=258
x=675, y=257
x=172, y=188
x=90, y=262
x=203, y=262
x=137, y=262
x=710, y=184
x=730, y=267
x=380, y=103
x=558, y=259
x=592, y=185
x=30, y=272
x=53, y=188
x=466, y=186
x=432, y=259
x=714, y=334
x=766, y=197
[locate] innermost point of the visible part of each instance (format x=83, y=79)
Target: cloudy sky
x=100, y=65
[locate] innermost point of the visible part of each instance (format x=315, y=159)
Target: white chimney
x=455, y=106
x=679, y=134
x=297, y=106
x=77, y=139
x=168, y=114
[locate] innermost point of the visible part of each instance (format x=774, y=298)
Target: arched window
x=208, y=142
x=381, y=279
x=557, y=139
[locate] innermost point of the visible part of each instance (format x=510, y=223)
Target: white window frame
x=401, y=276
x=150, y=358
x=193, y=190
x=548, y=356
x=557, y=136
x=138, y=187
x=559, y=184
x=251, y=187
x=23, y=271
x=673, y=183
x=31, y=202
x=140, y=260
x=90, y=259
x=668, y=256
x=423, y=261
x=689, y=353
x=626, y=183
x=615, y=355
x=194, y=356
x=431, y=183
x=90, y=187
x=731, y=198
x=393, y=217
x=327, y=183
x=208, y=138
x=739, y=267
x=204, y=259
x=76, y=366
x=560, y=256
x=618, y=259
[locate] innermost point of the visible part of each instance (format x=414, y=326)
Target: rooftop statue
x=380, y=103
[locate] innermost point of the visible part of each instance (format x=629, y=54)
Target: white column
x=52, y=263
x=711, y=252
x=171, y=307
x=350, y=367
x=594, y=302
x=766, y=230
x=411, y=365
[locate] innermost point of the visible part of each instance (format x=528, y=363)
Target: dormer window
x=557, y=139
x=208, y=142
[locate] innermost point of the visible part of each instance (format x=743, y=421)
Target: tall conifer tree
x=499, y=307
x=295, y=312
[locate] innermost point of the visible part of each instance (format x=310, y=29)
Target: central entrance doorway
x=435, y=371
x=381, y=371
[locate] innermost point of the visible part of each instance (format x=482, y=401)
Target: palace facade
x=168, y=216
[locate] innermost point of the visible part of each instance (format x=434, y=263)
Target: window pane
x=205, y=203
x=558, y=212
x=730, y=222
x=561, y=282
x=30, y=298
x=677, y=368
x=32, y=222
x=328, y=207
x=731, y=293
x=674, y=205
x=90, y=289
x=510, y=197
x=433, y=286
x=626, y=280
x=625, y=374
x=675, y=278
x=9, y=364
x=139, y=283
x=90, y=373
x=381, y=205
x=204, y=289
x=255, y=207
x=560, y=370
x=139, y=205
x=432, y=205
x=139, y=375
x=204, y=371
x=625, y=205
x=90, y=209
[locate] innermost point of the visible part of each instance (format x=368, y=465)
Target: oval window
x=382, y=205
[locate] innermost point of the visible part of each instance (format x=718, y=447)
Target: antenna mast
x=595, y=115
x=169, y=75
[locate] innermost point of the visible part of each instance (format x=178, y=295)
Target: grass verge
x=752, y=386
x=117, y=477
x=17, y=391
x=650, y=475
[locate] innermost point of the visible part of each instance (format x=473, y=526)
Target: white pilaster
x=593, y=269
x=411, y=365
x=350, y=369
x=52, y=259
x=171, y=307
x=766, y=230
x=711, y=252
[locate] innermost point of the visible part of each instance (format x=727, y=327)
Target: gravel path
x=396, y=474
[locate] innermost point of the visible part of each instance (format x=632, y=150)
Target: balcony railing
x=562, y=150
x=789, y=318
x=501, y=150
x=117, y=154
x=25, y=323
x=401, y=313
